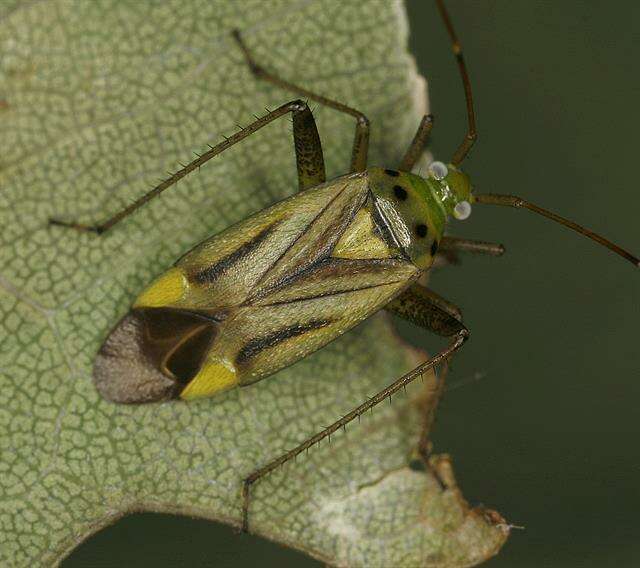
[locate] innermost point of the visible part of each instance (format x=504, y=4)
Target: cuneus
x=281, y=284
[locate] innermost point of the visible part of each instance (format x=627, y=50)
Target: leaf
x=99, y=100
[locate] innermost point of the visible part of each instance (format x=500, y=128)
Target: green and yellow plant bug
x=281, y=284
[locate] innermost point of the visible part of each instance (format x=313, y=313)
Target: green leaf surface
x=97, y=101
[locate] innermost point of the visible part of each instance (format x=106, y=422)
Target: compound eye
x=437, y=170
x=462, y=210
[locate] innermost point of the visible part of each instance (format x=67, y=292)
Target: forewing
x=277, y=329
x=272, y=290
x=222, y=272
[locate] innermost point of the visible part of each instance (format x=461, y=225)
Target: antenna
x=519, y=203
x=456, y=47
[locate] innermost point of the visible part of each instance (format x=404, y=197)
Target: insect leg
x=450, y=247
x=425, y=308
x=429, y=310
x=309, y=158
x=361, y=139
x=455, y=244
x=414, y=151
x=304, y=126
x=404, y=380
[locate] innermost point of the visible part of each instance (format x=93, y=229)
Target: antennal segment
x=470, y=138
x=519, y=203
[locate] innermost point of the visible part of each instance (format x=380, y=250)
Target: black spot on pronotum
x=400, y=192
x=392, y=173
x=434, y=248
x=421, y=230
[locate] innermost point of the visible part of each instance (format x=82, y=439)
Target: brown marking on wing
x=150, y=352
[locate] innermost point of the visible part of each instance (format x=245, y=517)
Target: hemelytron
x=284, y=282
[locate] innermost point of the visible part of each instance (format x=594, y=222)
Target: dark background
x=549, y=436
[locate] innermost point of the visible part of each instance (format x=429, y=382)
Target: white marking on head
x=462, y=210
x=437, y=170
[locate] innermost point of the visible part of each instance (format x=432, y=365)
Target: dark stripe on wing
x=318, y=238
x=209, y=274
x=331, y=293
x=343, y=275
x=255, y=346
